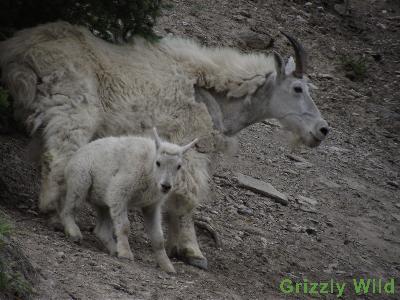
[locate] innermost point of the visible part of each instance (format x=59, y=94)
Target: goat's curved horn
x=279, y=65
x=300, y=55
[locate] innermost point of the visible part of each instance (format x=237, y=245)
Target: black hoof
x=199, y=262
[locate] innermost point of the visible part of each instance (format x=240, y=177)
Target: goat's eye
x=298, y=89
x=158, y=163
x=178, y=167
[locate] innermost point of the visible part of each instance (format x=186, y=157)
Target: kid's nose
x=165, y=187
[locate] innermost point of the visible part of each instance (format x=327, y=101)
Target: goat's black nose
x=165, y=187
x=324, y=130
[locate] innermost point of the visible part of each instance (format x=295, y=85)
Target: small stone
x=393, y=184
x=306, y=201
x=245, y=211
x=303, y=165
x=264, y=242
x=308, y=209
x=396, y=217
x=245, y=14
x=381, y=26
x=296, y=158
x=274, y=123
x=239, y=18
x=331, y=268
x=329, y=224
x=296, y=228
x=397, y=205
x=262, y=187
x=301, y=19
x=289, y=171
x=249, y=193
x=238, y=238
x=311, y=230
x=61, y=254
x=325, y=76
x=33, y=212
x=308, y=4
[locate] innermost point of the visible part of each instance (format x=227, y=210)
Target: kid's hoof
x=168, y=268
x=200, y=262
x=76, y=239
x=126, y=255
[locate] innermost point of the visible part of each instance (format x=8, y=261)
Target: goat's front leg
x=119, y=216
x=152, y=223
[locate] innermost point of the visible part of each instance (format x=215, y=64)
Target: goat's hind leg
x=67, y=217
x=181, y=238
x=77, y=189
x=67, y=113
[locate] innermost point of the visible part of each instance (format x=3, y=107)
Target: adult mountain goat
x=71, y=87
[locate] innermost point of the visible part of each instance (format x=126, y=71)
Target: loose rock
x=393, y=184
x=303, y=165
x=262, y=187
x=306, y=201
x=296, y=158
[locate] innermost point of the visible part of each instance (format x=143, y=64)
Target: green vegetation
x=5, y=228
x=113, y=20
x=167, y=6
x=355, y=67
x=13, y=285
x=4, y=100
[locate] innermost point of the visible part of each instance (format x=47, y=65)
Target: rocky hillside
x=342, y=218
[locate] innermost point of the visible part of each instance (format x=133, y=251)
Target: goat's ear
x=188, y=146
x=290, y=66
x=157, y=139
x=279, y=65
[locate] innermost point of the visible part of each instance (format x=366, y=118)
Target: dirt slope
x=353, y=229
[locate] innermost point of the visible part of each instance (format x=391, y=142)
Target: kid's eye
x=298, y=89
x=158, y=163
x=179, y=166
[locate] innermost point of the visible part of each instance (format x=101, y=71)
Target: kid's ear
x=157, y=139
x=188, y=146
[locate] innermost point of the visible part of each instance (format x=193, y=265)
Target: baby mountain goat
x=118, y=172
